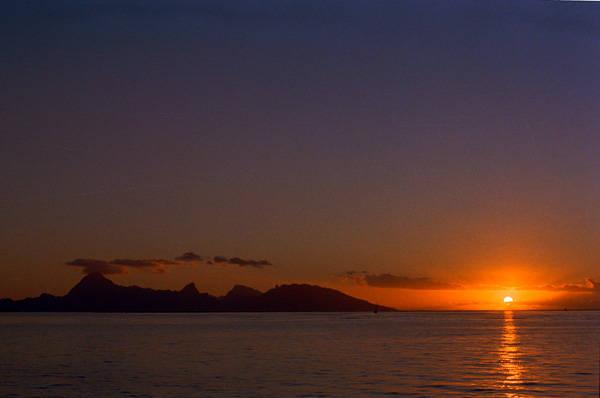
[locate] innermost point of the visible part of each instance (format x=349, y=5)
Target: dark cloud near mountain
x=189, y=257
x=219, y=259
x=141, y=263
x=158, y=265
x=240, y=262
x=90, y=265
x=248, y=263
x=121, y=266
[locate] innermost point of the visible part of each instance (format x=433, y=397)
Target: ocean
x=405, y=354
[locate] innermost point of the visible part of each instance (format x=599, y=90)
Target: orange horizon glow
x=468, y=291
x=457, y=300
x=460, y=299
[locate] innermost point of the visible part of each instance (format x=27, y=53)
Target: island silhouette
x=96, y=293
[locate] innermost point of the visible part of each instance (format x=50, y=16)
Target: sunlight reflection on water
x=509, y=354
x=491, y=354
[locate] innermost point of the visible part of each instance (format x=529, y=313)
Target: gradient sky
x=422, y=154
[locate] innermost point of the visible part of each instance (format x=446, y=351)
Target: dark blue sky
x=454, y=140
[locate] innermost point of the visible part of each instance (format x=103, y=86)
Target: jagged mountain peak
x=94, y=276
x=91, y=283
x=190, y=290
x=240, y=291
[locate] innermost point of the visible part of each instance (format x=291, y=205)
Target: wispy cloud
x=576, y=300
x=189, y=257
x=590, y=286
x=398, y=282
x=365, y=278
x=248, y=263
x=121, y=266
x=158, y=265
x=240, y=262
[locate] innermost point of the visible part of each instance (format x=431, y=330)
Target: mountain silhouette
x=240, y=292
x=96, y=293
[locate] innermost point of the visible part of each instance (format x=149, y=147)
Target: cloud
x=583, y=300
x=403, y=282
x=121, y=266
x=398, y=282
x=90, y=265
x=590, y=286
x=142, y=263
x=365, y=278
x=157, y=265
x=189, y=257
x=224, y=261
x=245, y=263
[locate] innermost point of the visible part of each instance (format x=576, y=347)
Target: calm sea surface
x=411, y=354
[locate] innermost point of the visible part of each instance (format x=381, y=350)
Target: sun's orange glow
x=453, y=300
x=508, y=299
x=509, y=354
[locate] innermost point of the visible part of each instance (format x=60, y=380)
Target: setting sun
x=508, y=299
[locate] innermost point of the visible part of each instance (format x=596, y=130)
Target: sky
x=423, y=155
